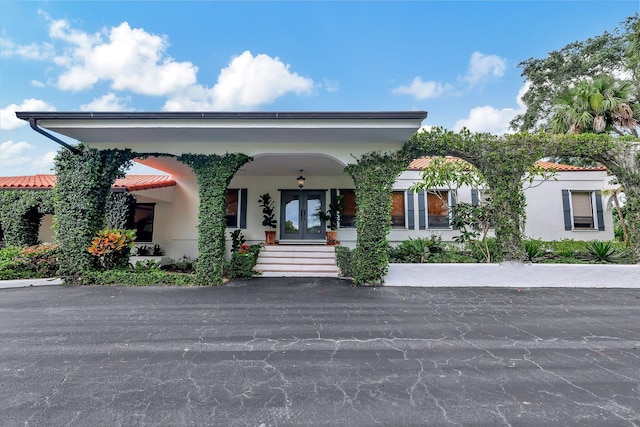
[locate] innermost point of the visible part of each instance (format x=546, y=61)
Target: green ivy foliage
x=83, y=185
x=213, y=174
x=21, y=214
x=502, y=161
x=374, y=175
x=120, y=209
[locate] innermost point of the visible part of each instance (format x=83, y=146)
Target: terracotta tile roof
x=130, y=182
x=423, y=162
x=30, y=181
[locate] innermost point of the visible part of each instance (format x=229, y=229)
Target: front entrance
x=297, y=215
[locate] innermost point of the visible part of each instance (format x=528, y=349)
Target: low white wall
x=514, y=275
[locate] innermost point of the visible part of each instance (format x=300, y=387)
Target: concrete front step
x=297, y=261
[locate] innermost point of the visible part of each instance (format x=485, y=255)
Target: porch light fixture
x=300, y=180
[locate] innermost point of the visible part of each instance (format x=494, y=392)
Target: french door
x=297, y=219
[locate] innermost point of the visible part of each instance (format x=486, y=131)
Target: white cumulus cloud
x=247, y=82
x=482, y=67
x=8, y=119
x=108, y=102
x=490, y=119
x=423, y=90
x=129, y=58
x=9, y=48
x=14, y=153
x=45, y=162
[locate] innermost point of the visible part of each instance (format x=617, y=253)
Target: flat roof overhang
x=112, y=129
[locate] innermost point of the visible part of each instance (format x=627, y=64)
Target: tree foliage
x=21, y=214
x=610, y=53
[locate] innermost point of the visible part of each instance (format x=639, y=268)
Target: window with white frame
x=438, y=209
x=582, y=210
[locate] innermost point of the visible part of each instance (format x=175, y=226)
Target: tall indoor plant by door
x=268, y=218
x=331, y=218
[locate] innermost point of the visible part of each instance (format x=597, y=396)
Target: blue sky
x=455, y=59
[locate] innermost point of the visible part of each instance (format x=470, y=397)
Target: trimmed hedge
x=21, y=214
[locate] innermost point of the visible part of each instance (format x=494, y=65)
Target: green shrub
x=29, y=263
x=137, y=278
x=479, y=250
x=113, y=247
x=567, y=248
x=344, y=259
x=185, y=264
x=417, y=250
x=242, y=262
x=533, y=249
x=604, y=252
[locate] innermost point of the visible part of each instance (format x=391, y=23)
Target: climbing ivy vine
x=374, y=175
x=213, y=174
x=83, y=184
x=21, y=214
x=120, y=210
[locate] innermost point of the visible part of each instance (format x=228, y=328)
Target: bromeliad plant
x=113, y=247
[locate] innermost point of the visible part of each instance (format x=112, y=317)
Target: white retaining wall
x=515, y=275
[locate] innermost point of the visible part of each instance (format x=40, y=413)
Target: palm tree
x=599, y=105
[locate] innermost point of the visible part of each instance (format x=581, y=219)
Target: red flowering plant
x=113, y=247
x=244, y=249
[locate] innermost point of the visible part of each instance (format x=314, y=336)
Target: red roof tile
x=130, y=182
x=423, y=162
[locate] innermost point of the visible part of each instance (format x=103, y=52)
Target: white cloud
x=9, y=48
x=423, y=90
x=45, y=162
x=490, y=119
x=247, y=82
x=37, y=83
x=482, y=67
x=129, y=58
x=330, y=85
x=108, y=102
x=8, y=119
x=14, y=153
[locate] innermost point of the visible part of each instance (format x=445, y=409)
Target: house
x=299, y=158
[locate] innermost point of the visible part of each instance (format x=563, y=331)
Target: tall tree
x=596, y=106
x=608, y=53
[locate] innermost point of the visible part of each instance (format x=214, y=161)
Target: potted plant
x=268, y=218
x=331, y=218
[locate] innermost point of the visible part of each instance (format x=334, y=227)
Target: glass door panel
x=297, y=217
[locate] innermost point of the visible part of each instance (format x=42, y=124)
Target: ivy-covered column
x=21, y=214
x=374, y=176
x=213, y=174
x=83, y=184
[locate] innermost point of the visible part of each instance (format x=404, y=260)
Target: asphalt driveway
x=318, y=352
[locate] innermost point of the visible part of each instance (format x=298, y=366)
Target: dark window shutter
x=599, y=211
x=453, y=197
x=566, y=206
x=422, y=217
x=410, y=211
x=243, y=208
x=474, y=197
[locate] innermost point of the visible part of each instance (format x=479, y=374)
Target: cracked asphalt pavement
x=289, y=352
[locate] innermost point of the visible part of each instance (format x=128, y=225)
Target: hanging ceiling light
x=300, y=180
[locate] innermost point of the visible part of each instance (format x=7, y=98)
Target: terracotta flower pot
x=332, y=237
x=269, y=237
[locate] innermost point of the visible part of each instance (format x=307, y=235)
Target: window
x=236, y=208
x=143, y=221
x=232, y=208
x=397, y=210
x=438, y=209
x=582, y=210
x=348, y=215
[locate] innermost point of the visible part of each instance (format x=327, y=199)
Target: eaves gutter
x=33, y=122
